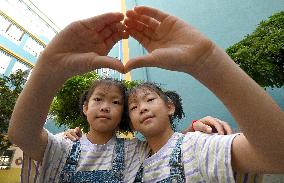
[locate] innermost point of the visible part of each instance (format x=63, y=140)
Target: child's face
x=148, y=112
x=104, y=108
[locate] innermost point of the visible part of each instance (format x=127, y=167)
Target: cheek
x=134, y=119
x=118, y=113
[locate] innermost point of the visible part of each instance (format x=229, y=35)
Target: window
x=19, y=65
x=33, y=47
x=4, y=24
x=6, y=159
x=4, y=62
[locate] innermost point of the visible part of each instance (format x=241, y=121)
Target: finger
x=140, y=27
x=113, y=39
x=86, y=62
x=227, y=129
x=130, y=23
x=215, y=124
x=74, y=134
x=109, y=30
x=97, y=23
x=138, y=62
x=146, y=20
x=70, y=136
x=141, y=38
x=161, y=58
x=78, y=132
x=199, y=126
x=108, y=62
x=152, y=12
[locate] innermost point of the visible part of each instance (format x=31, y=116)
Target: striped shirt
x=206, y=158
x=93, y=157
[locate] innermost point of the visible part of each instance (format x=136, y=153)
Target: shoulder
x=135, y=142
x=207, y=147
x=54, y=158
x=199, y=139
x=135, y=147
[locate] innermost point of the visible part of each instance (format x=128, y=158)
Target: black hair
x=123, y=126
x=166, y=96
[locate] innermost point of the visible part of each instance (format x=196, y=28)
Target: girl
x=191, y=157
x=174, y=45
x=100, y=156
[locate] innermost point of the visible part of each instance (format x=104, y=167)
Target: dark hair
x=166, y=96
x=123, y=125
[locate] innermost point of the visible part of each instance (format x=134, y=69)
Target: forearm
x=254, y=110
x=31, y=109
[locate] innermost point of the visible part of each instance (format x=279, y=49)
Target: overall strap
x=118, y=162
x=175, y=160
x=73, y=158
x=139, y=175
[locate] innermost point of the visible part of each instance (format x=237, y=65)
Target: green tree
x=65, y=106
x=10, y=88
x=261, y=54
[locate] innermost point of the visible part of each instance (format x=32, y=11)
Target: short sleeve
x=55, y=156
x=208, y=157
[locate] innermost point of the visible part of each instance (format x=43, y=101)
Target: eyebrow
x=133, y=99
x=112, y=96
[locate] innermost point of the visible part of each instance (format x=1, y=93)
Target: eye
x=133, y=108
x=97, y=99
x=116, y=102
x=150, y=99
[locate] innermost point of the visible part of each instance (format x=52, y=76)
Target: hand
x=83, y=45
x=172, y=43
x=210, y=125
x=73, y=134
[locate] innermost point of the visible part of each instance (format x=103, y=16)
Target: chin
x=104, y=129
x=149, y=133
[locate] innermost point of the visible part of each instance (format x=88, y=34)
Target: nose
x=105, y=108
x=143, y=108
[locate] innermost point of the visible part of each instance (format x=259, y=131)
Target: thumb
x=107, y=62
x=78, y=132
x=138, y=62
x=86, y=62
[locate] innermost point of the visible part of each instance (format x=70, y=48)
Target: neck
x=98, y=137
x=157, y=141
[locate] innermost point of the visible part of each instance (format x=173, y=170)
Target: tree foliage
x=261, y=54
x=10, y=88
x=65, y=106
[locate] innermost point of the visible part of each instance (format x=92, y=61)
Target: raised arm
x=174, y=45
x=80, y=47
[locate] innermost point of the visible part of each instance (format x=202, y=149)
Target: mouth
x=146, y=118
x=103, y=117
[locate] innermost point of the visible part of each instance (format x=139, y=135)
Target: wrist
x=49, y=70
x=213, y=66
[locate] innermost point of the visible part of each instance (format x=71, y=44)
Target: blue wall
x=223, y=21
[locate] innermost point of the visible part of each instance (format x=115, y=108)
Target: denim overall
x=114, y=175
x=176, y=171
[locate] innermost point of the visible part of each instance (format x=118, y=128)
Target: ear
x=85, y=108
x=171, y=108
